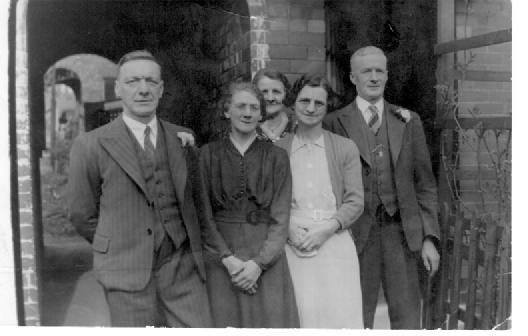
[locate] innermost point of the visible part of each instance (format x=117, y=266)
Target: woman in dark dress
x=247, y=194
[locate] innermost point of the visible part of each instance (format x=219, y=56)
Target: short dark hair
x=240, y=85
x=137, y=55
x=311, y=80
x=272, y=74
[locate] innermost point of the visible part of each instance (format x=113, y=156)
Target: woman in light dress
x=327, y=199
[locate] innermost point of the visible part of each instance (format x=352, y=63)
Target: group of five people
x=293, y=220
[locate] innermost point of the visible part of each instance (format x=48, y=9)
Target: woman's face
x=310, y=106
x=244, y=112
x=274, y=93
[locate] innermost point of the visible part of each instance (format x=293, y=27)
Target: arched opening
x=202, y=45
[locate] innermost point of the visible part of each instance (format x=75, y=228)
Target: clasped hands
x=312, y=238
x=244, y=274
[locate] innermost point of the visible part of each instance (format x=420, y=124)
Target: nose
x=311, y=107
x=246, y=112
x=374, y=76
x=268, y=96
x=143, y=88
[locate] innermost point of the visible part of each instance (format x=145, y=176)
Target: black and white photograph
x=284, y=164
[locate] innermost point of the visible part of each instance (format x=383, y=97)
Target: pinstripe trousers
x=175, y=296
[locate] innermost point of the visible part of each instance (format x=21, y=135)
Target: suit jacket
x=413, y=176
x=344, y=167
x=109, y=204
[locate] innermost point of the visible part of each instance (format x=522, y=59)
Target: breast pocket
x=100, y=243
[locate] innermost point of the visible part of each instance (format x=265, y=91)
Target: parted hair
x=311, y=80
x=272, y=74
x=137, y=55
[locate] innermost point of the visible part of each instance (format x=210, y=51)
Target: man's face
x=310, y=106
x=140, y=87
x=274, y=92
x=369, y=74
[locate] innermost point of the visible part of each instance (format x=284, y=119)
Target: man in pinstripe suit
x=130, y=196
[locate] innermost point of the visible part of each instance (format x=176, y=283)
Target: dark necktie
x=374, y=121
x=148, y=146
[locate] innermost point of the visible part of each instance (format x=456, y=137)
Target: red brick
x=277, y=37
x=278, y=10
x=316, y=26
x=316, y=54
x=318, y=14
x=307, y=39
x=288, y=52
x=308, y=3
x=278, y=24
x=279, y=65
x=297, y=25
x=300, y=12
x=298, y=66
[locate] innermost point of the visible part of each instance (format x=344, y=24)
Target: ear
x=162, y=86
x=117, y=90
x=352, y=78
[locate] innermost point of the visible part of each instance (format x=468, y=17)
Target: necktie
x=374, y=122
x=148, y=146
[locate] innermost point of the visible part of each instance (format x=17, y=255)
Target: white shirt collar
x=138, y=129
x=242, y=148
x=298, y=143
x=363, y=105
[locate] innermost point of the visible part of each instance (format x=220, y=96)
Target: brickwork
x=295, y=36
x=27, y=239
x=485, y=98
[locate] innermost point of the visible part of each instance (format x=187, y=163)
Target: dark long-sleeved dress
x=247, y=203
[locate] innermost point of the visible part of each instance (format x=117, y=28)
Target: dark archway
x=202, y=44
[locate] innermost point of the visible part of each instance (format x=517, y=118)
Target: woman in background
x=327, y=198
x=278, y=120
x=246, y=191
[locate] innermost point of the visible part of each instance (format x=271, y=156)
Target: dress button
x=149, y=231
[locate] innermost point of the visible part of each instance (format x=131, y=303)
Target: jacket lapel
x=352, y=122
x=119, y=146
x=177, y=163
x=396, y=128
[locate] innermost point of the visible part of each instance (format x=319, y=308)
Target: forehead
x=244, y=97
x=269, y=82
x=369, y=61
x=316, y=93
x=140, y=68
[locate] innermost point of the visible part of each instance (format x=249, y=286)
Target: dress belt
x=253, y=217
x=315, y=214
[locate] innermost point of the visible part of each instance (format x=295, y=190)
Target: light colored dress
x=327, y=284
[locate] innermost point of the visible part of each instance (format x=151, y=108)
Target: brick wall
x=27, y=239
x=484, y=98
x=295, y=34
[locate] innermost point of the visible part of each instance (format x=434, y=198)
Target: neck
x=275, y=119
x=144, y=120
x=240, y=137
x=309, y=133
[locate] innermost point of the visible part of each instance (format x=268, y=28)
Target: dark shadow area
x=201, y=45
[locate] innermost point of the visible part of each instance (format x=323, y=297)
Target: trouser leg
x=370, y=262
x=400, y=279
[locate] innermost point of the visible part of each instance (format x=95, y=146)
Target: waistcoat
x=161, y=189
x=381, y=177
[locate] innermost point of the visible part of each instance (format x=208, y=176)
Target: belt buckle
x=317, y=215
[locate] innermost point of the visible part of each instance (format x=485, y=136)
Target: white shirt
x=363, y=106
x=138, y=129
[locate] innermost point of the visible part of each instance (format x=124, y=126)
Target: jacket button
x=149, y=231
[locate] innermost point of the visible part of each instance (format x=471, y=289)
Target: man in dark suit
x=399, y=225
x=131, y=198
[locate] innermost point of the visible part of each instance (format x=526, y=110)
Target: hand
x=296, y=234
x=430, y=256
x=317, y=235
x=233, y=265
x=247, y=279
x=187, y=139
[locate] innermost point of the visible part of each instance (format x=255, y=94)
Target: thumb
x=426, y=262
